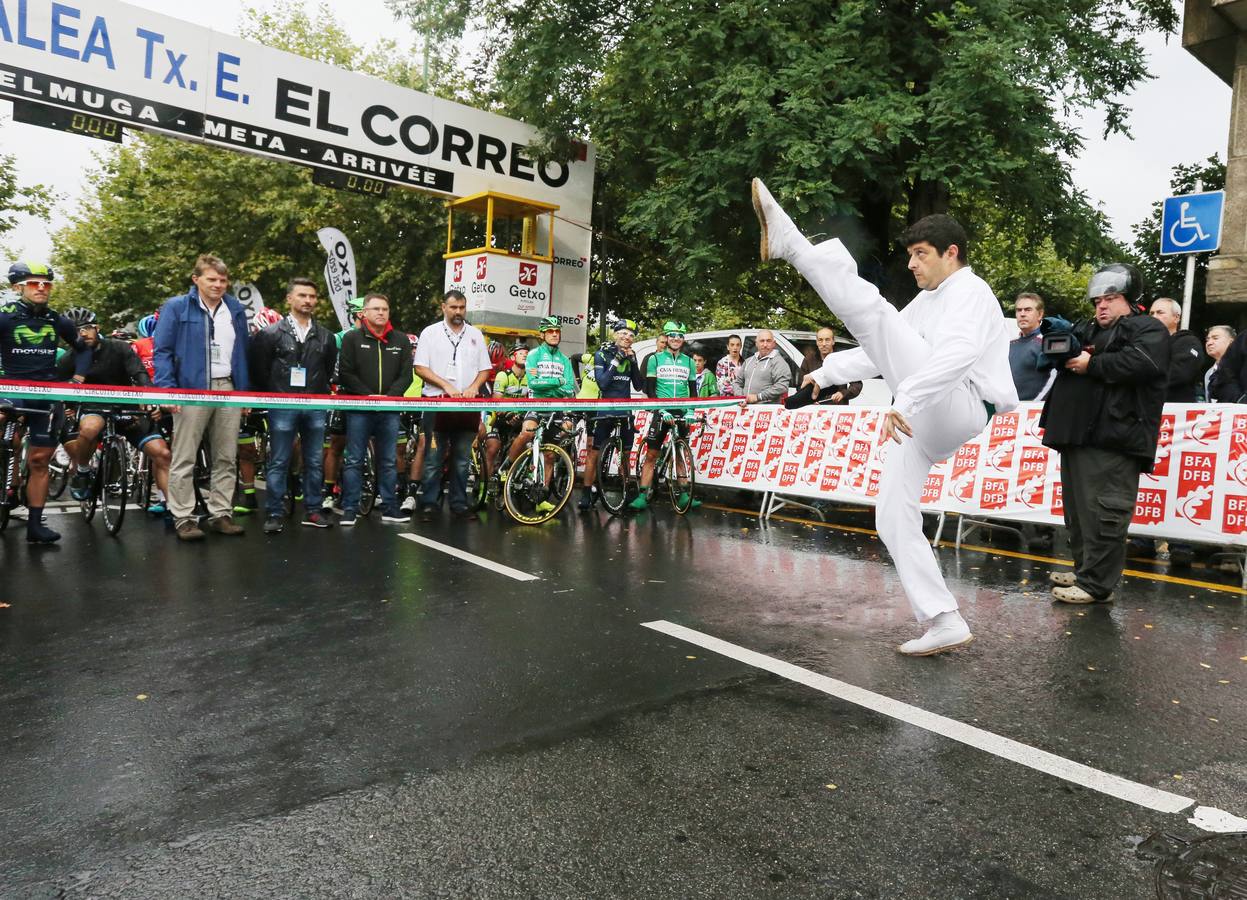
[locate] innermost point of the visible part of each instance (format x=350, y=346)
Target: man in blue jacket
x=200, y=343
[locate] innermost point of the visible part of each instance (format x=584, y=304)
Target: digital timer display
x=360, y=184
x=67, y=120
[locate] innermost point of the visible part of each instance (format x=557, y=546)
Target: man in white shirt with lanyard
x=946, y=359
x=452, y=357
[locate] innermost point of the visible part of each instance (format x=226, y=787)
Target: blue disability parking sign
x=1191, y=223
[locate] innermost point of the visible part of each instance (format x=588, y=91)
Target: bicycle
x=675, y=466
x=112, y=476
x=615, y=481
x=528, y=484
x=13, y=469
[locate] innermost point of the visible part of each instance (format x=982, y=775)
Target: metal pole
x=1188, y=288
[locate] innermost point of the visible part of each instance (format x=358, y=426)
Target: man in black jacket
x=1229, y=382
x=295, y=356
x=1186, y=358
x=375, y=361
x=1103, y=416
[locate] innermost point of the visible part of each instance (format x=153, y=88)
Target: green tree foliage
x=1166, y=275
x=17, y=199
x=862, y=115
x=157, y=203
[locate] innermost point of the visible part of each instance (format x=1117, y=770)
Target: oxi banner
x=1197, y=490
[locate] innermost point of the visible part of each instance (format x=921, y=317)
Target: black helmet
x=1117, y=278
x=21, y=270
x=80, y=316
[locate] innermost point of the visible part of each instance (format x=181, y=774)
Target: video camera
x=1061, y=339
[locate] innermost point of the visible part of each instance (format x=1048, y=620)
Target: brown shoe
x=188, y=530
x=225, y=525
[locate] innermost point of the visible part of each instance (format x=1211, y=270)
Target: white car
x=794, y=346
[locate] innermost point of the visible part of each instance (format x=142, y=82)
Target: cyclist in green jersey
x=669, y=373
x=550, y=375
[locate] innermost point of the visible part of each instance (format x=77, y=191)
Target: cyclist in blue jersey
x=617, y=374
x=29, y=332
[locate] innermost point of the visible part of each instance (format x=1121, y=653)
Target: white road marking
x=472, y=558
x=1207, y=818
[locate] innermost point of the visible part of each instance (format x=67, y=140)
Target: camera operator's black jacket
x=1117, y=404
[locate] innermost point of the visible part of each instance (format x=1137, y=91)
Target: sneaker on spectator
x=396, y=516
x=348, y=518
x=329, y=502
x=408, y=504
x=318, y=519
x=274, y=525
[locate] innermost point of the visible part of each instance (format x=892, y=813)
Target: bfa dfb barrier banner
x=1197, y=489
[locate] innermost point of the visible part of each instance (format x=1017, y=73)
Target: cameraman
x=1103, y=417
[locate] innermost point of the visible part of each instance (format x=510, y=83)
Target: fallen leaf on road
x=1090, y=668
x=831, y=787
x=1223, y=681
x=690, y=657
x=1178, y=777
x=1149, y=626
x=1206, y=666
x=1175, y=701
x=141, y=697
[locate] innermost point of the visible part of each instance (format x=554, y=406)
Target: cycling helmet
x=81, y=316
x=355, y=306
x=518, y=346
x=624, y=325
x=1117, y=278
x=497, y=353
x=672, y=328
x=550, y=323
x=21, y=270
x=147, y=325
x=414, y=340
x=264, y=317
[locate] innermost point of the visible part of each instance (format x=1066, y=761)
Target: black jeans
x=1098, y=489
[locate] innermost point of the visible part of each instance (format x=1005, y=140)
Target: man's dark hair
x=300, y=281
x=938, y=230
x=453, y=292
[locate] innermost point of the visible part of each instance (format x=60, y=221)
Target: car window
x=715, y=349
x=807, y=348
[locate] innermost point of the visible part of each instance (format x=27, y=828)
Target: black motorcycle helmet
x=1118, y=278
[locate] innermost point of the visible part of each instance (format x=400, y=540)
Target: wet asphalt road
x=350, y=714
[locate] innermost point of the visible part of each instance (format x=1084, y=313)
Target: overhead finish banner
x=145, y=70
x=339, y=272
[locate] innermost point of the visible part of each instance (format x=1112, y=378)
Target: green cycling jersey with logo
x=672, y=373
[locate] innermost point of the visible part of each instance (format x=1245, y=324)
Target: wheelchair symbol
x=1188, y=224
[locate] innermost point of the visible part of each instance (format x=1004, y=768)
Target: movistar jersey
x=550, y=373
x=616, y=376
x=28, y=339
x=673, y=372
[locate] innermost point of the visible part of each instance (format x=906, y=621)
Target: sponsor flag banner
x=339, y=272
x=1197, y=490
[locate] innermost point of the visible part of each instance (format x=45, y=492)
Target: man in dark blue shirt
x=29, y=332
x=617, y=374
x=1032, y=375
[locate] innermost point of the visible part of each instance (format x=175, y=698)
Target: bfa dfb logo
x=482, y=263
x=458, y=271
x=528, y=274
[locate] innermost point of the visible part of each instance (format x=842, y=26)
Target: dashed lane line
x=991, y=551
x=1207, y=818
x=471, y=557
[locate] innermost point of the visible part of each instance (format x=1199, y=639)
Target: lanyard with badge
x=214, y=349
x=452, y=374
x=298, y=374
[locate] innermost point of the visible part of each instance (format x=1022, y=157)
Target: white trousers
x=898, y=351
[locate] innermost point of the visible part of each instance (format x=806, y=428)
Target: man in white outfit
x=946, y=358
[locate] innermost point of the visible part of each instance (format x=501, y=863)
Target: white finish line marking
x=1207, y=818
x=472, y=558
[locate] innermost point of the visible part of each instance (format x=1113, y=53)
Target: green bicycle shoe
x=684, y=502
x=545, y=506
x=641, y=502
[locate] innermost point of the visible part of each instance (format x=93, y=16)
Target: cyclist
x=669, y=373
x=550, y=375
x=113, y=362
x=617, y=375
x=29, y=330
x=335, y=428
x=145, y=345
x=509, y=384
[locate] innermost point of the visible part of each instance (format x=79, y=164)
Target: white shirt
x=300, y=331
x=1208, y=398
x=221, y=333
x=457, y=358
x=962, y=321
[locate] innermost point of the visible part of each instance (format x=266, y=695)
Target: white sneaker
x=408, y=505
x=1063, y=579
x=947, y=632
x=778, y=231
x=328, y=503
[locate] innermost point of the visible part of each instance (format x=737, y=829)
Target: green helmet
x=624, y=325
x=21, y=270
x=672, y=328
x=550, y=323
x=355, y=306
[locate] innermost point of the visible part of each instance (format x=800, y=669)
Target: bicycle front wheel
x=529, y=499
x=477, y=482
x=368, y=485
x=680, y=475
x=114, y=483
x=613, y=476
x=92, y=500
x=58, y=473
x=7, y=479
